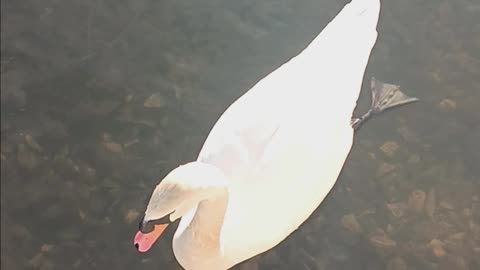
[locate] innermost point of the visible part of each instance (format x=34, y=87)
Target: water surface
x=81, y=149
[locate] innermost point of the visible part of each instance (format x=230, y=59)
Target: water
x=81, y=152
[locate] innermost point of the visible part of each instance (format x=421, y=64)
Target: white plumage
x=274, y=154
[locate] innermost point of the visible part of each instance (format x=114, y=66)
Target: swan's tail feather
x=344, y=48
x=384, y=96
x=367, y=10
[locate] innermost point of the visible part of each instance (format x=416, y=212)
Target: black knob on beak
x=145, y=226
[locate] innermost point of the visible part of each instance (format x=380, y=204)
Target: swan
x=274, y=154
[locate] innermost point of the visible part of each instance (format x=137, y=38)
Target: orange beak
x=144, y=241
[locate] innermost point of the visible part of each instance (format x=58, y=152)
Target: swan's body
x=274, y=154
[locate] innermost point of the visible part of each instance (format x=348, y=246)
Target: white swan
x=273, y=155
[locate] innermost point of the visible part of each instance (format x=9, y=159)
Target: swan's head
x=179, y=192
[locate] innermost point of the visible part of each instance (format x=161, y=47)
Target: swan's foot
x=384, y=96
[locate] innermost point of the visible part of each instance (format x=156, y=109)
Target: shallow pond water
x=101, y=98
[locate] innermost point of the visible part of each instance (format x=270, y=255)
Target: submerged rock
x=446, y=205
x=398, y=209
x=113, y=147
x=436, y=247
x=430, y=203
x=389, y=148
x=155, y=101
x=408, y=134
x=416, y=201
x=382, y=243
x=384, y=169
x=350, y=223
x=32, y=143
x=448, y=104
x=26, y=158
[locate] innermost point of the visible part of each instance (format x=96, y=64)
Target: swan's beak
x=144, y=241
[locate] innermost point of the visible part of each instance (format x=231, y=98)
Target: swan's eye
x=148, y=226
x=145, y=227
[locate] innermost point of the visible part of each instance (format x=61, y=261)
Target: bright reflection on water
x=83, y=141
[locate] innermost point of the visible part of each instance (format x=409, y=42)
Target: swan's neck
x=198, y=234
x=207, y=222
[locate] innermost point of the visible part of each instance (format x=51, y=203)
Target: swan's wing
x=319, y=87
x=238, y=139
